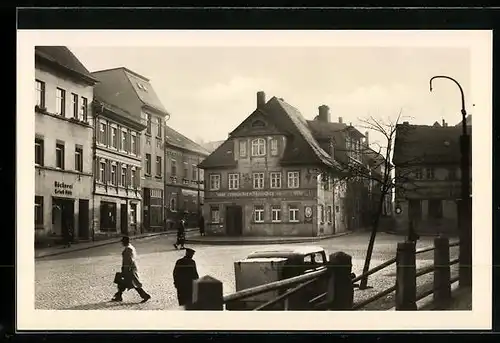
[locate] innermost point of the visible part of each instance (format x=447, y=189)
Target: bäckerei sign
x=263, y=194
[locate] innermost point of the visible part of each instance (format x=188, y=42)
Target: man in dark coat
x=181, y=233
x=185, y=273
x=130, y=273
x=201, y=224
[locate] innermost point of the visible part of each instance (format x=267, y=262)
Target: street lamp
x=465, y=218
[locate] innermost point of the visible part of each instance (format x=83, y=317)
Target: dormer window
x=258, y=123
x=141, y=86
x=259, y=147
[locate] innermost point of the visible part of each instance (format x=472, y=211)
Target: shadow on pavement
x=102, y=305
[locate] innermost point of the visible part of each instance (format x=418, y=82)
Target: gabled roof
x=178, y=140
x=64, y=58
x=211, y=146
x=128, y=90
x=421, y=144
x=301, y=147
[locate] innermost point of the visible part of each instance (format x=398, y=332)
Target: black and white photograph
x=236, y=172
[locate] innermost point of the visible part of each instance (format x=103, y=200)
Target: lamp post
x=465, y=207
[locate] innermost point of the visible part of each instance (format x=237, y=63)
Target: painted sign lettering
x=263, y=194
x=61, y=188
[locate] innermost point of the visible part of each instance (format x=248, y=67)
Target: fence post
x=406, y=281
x=340, y=291
x=207, y=295
x=442, y=286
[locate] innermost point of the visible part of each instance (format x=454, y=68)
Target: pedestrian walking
x=185, y=273
x=181, y=233
x=129, y=273
x=201, y=224
x=68, y=233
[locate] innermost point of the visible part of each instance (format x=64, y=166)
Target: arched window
x=259, y=147
x=258, y=123
x=173, y=204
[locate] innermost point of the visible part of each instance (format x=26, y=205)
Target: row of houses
x=105, y=161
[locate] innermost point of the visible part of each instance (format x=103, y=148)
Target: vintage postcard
x=272, y=178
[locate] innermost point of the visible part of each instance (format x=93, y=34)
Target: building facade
x=63, y=145
x=184, y=187
x=134, y=94
x=117, y=195
x=270, y=177
x=427, y=165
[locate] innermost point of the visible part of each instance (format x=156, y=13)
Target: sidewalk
x=249, y=240
x=58, y=250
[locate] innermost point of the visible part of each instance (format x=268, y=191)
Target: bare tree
x=385, y=179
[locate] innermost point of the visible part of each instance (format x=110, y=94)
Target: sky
x=210, y=90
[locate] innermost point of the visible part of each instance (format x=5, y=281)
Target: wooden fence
x=334, y=284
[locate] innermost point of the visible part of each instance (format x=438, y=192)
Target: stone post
x=406, y=281
x=442, y=286
x=340, y=291
x=207, y=295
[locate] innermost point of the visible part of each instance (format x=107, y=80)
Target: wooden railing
x=333, y=285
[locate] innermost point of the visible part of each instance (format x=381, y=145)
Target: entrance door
x=63, y=221
x=83, y=219
x=234, y=221
x=124, y=219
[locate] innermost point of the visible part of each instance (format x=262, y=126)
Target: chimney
x=324, y=114
x=367, y=138
x=444, y=123
x=340, y=120
x=261, y=99
x=406, y=123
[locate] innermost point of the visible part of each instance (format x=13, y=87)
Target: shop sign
x=263, y=194
x=308, y=212
x=61, y=188
x=189, y=192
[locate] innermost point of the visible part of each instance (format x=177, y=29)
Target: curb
x=108, y=242
x=260, y=242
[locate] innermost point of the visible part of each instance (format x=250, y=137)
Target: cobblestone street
x=83, y=280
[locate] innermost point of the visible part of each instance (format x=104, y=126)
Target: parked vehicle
x=265, y=266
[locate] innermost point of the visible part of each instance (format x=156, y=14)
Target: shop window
x=108, y=216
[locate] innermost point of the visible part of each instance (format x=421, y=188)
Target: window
x=158, y=166
x=321, y=214
x=214, y=214
x=148, y=164
x=173, y=202
x=243, y=148
x=60, y=101
x=124, y=145
x=173, y=167
x=123, y=176
x=435, y=208
x=186, y=170
x=60, y=155
x=275, y=179
x=74, y=98
x=133, y=214
x=276, y=213
x=79, y=158
x=114, y=174
x=102, y=172
x=274, y=147
x=133, y=144
x=234, y=181
x=214, y=182
x=329, y=215
x=195, y=172
x=259, y=147
x=293, y=213
x=148, y=129
x=38, y=210
x=258, y=214
x=39, y=151
x=418, y=174
x=133, y=176
x=84, y=109
x=429, y=173
x=293, y=180
x=159, y=127
x=103, y=133
x=258, y=180
x=40, y=93
x=114, y=137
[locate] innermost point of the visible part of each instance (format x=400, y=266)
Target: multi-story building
x=427, y=166
x=63, y=144
x=117, y=164
x=184, y=189
x=134, y=94
x=267, y=178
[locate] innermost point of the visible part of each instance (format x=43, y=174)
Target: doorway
x=83, y=219
x=63, y=212
x=234, y=220
x=124, y=219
